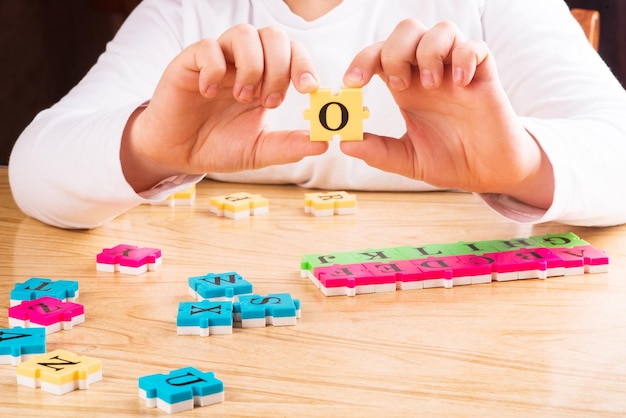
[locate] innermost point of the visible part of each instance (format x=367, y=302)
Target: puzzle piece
x=128, y=259
x=35, y=287
x=239, y=205
x=19, y=344
x=215, y=287
x=59, y=372
x=185, y=197
x=204, y=318
x=329, y=203
x=278, y=309
x=47, y=312
x=181, y=390
x=339, y=114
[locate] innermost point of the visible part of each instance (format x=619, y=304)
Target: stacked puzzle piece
x=447, y=265
x=225, y=300
x=329, y=203
x=239, y=205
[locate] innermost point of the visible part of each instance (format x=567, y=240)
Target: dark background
x=46, y=47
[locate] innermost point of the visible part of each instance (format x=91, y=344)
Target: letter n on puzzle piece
x=339, y=114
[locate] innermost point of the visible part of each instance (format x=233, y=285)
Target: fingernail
x=427, y=78
x=396, y=82
x=273, y=100
x=354, y=75
x=307, y=81
x=211, y=91
x=246, y=93
x=458, y=75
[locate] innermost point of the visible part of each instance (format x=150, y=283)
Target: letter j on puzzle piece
x=339, y=114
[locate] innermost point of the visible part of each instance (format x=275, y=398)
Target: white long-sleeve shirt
x=65, y=168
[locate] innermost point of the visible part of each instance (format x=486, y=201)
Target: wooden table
x=553, y=347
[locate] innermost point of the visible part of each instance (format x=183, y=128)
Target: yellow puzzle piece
x=329, y=203
x=239, y=205
x=339, y=114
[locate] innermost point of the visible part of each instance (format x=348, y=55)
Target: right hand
x=208, y=111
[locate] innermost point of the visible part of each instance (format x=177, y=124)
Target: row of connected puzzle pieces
x=448, y=265
x=225, y=300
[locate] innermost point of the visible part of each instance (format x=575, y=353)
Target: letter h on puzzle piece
x=339, y=114
x=181, y=390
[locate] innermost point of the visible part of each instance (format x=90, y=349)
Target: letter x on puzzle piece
x=181, y=390
x=339, y=114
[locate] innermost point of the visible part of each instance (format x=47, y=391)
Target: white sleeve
x=65, y=168
x=570, y=102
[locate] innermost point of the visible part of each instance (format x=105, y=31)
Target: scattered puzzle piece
x=204, y=318
x=181, y=390
x=19, y=344
x=278, y=309
x=128, y=259
x=239, y=205
x=35, y=287
x=329, y=203
x=59, y=372
x=215, y=287
x=47, y=312
x=185, y=197
x=339, y=114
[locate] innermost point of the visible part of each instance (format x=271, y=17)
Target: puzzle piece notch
x=338, y=114
x=204, y=318
x=256, y=311
x=20, y=344
x=330, y=203
x=59, y=372
x=239, y=205
x=36, y=287
x=181, y=390
x=216, y=287
x=49, y=313
x=128, y=259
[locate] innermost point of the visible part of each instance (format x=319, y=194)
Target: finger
x=435, y=51
x=398, y=55
x=470, y=59
x=282, y=147
x=277, y=63
x=303, y=73
x=242, y=48
x=385, y=153
x=210, y=60
x=364, y=66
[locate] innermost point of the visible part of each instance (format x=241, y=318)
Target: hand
x=462, y=132
x=208, y=111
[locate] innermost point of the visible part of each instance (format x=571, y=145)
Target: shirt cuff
x=168, y=186
x=513, y=209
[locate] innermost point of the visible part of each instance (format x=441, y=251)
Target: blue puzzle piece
x=35, y=288
x=181, y=389
x=204, y=318
x=223, y=286
x=275, y=309
x=18, y=344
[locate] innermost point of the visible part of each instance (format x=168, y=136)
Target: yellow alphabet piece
x=59, y=372
x=239, y=205
x=185, y=197
x=339, y=114
x=329, y=203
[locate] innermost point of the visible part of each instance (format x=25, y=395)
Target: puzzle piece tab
x=216, y=287
x=239, y=205
x=181, y=390
x=59, y=372
x=329, y=203
x=339, y=114
x=278, y=309
x=19, y=344
x=128, y=259
x=204, y=318
x=35, y=287
x=47, y=312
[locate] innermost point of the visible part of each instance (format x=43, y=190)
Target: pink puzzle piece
x=593, y=260
x=128, y=259
x=351, y=279
x=50, y=313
